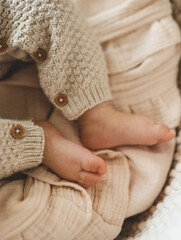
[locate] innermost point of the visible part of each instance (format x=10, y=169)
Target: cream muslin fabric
x=141, y=43
x=40, y=205
x=142, y=69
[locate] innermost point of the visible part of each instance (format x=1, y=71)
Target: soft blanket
x=142, y=49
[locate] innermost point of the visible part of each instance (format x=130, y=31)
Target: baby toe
x=89, y=179
x=164, y=133
x=94, y=164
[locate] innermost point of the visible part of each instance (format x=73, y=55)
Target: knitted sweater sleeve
x=79, y=69
x=73, y=65
x=21, y=146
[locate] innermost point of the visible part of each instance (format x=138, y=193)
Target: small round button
x=61, y=100
x=17, y=131
x=3, y=46
x=40, y=55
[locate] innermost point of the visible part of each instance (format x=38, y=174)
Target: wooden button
x=61, y=100
x=40, y=55
x=17, y=131
x=3, y=46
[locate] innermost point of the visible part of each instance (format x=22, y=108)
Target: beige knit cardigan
x=73, y=67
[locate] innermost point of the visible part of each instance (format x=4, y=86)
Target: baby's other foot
x=69, y=160
x=104, y=127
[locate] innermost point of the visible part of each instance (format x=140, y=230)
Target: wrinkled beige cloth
x=40, y=205
x=43, y=206
x=141, y=43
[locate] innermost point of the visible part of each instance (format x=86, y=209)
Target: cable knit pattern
x=20, y=154
x=74, y=66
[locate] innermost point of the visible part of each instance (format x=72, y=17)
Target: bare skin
x=101, y=127
x=104, y=127
x=69, y=160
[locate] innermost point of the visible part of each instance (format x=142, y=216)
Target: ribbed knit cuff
x=86, y=99
x=18, y=154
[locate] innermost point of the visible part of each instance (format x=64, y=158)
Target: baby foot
x=103, y=127
x=69, y=160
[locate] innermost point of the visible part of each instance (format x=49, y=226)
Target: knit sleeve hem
x=86, y=99
x=18, y=154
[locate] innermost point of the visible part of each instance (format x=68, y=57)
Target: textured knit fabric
x=27, y=152
x=52, y=208
x=21, y=154
x=74, y=66
x=43, y=206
